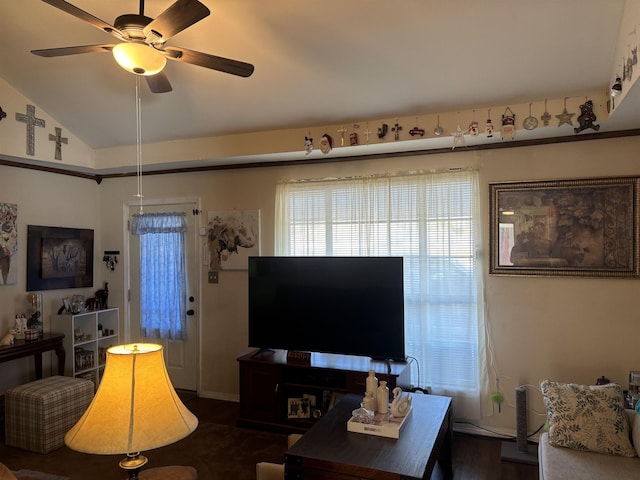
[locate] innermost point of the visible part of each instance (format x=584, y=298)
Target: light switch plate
x=213, y=277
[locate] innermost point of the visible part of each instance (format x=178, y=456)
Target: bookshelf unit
x=85, y=346
x=270, y=386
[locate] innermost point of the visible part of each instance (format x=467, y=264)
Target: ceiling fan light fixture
x=139, y=58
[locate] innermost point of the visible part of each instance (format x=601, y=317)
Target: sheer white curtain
x=430, y=219
x=163, y=281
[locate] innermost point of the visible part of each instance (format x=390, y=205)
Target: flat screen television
x=344, y=305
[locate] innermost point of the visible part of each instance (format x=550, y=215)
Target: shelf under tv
x=268, y=382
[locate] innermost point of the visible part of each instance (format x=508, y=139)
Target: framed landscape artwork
x=584, y=227
x=59, y=258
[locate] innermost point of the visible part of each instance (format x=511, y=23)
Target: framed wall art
x=232, y=237
x=584, y=227
x=59, y=258
x=8, y=243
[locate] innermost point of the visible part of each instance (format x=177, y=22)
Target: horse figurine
x=400, y=405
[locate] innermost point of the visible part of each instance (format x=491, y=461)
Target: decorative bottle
x=372, y=385
x=369, y=401
x=382, y=398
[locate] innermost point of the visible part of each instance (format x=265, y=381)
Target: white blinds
x=431, y=220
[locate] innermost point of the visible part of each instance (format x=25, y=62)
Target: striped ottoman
x=38, y=414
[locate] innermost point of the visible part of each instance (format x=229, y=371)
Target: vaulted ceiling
x=317, y=63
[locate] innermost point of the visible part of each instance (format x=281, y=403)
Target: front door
x=181, y=356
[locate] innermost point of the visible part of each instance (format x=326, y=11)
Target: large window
x=430, y=219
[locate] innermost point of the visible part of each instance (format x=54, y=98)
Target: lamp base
x=133, y=463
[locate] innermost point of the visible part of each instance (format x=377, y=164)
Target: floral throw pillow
x=586, y=417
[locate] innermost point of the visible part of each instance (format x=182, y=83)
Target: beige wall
x=567, y=329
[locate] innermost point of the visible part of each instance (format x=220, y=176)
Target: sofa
x=591, y=435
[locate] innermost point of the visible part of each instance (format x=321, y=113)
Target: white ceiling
x=316, y=63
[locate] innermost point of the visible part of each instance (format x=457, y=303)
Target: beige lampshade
x=135, y=408
x=139, y=58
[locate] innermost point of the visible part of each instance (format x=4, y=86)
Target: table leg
x=61, y=354
x=38, y=364
x=445, y=459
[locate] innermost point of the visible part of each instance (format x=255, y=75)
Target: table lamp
x=134, y=409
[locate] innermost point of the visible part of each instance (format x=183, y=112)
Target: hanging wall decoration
x=59, y=139
x=308, y=144
x=8, y=243
x=367, y=132
x=342, y=131
x=488, y=126
x=416, y=130
x=30, y=119
x=353, y=136
x=458, y=137
x=586, y=117
x=546, y=117
x=474, y=130
x=3, y=114
x=383, y=130
x=565, y=117
x=438, y=130
x=326, y=143
x=530, y=123
x=396, y=130
x=508, y=125
x=233, y=236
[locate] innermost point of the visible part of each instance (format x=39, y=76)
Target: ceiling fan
x=142, y=49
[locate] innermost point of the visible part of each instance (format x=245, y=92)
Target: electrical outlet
x=213, y=277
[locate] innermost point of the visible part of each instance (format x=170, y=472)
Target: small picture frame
x=299, y=408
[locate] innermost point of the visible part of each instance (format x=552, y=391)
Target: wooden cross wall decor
x=59, y=139
x=30, y=119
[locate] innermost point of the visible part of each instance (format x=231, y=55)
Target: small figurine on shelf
x=7, y=339
x=21, y=326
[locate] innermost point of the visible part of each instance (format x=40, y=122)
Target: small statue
x=400, y=405
x=7, y=339
x=102, y=297
x=586, y=118
x=21, y=326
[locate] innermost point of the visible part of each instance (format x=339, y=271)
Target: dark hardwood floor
x=219, y=449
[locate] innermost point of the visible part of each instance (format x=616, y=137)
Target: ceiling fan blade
x=87, y=17
x=234, y=67
x=61, y=52
x=180, y=15
x=159, y=83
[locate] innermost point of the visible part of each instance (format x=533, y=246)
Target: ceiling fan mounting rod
x=141, y=7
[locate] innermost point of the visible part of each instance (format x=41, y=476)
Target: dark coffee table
x=329, y=451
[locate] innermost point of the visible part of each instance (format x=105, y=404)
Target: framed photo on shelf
x=585, y=227
x=59, y=258
x=299, y=408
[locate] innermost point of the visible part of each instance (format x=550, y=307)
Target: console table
x=22, y=348
x=329, y=451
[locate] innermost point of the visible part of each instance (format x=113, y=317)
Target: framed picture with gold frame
x=583, y=227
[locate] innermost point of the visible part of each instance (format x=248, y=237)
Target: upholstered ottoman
x=39, y=414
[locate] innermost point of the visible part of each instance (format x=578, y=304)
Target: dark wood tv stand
x=269, y=385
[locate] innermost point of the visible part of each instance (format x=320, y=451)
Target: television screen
x=345, y=305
